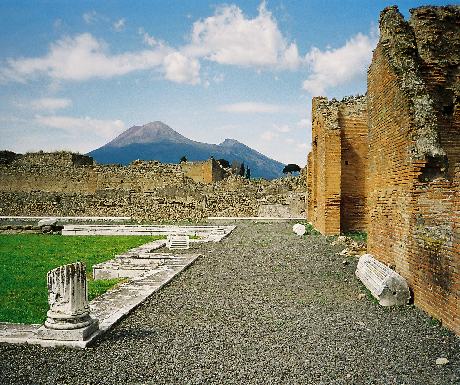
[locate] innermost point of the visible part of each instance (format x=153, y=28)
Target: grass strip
x=25, y=260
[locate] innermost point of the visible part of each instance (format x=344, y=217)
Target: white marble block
x=385, y=284
x=68, y=317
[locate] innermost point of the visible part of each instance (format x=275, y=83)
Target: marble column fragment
x=69, y=315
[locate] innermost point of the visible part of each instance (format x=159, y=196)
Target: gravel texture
x=263, y=306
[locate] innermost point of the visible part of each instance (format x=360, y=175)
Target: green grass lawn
x=26, y=258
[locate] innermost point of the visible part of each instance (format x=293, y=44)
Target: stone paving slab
x=108, y=308
x=66, y=219
x=215, y=232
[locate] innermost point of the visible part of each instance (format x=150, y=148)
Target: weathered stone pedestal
x=69, y=315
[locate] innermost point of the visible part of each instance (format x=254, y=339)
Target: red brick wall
x=353, y=125
x=326, y=153
x=437, y=34
x=413, y=196
x=432, y=261
x=336, y=176
x=452, y=317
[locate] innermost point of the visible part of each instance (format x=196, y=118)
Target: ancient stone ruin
x=388, y=163
x=386, y=285
x=69, y=315
x=65, y=184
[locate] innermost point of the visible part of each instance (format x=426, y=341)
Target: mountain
x=158, y=141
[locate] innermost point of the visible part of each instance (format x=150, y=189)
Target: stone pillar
x=68, y=317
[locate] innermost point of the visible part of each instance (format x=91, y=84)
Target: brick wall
x=403, y=185
x=437, y=35
x=412, y=188
x=326, y=167
x=353, y=126
x=336, y=166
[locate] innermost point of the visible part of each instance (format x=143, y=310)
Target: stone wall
x=205, y=172
x=53, y=185
x=56, y=172
x=413, y=93
x=337, y=164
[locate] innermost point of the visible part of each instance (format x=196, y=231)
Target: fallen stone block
x=387, y=286
x=47, y=222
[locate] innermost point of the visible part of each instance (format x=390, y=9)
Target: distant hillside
x=157, y=141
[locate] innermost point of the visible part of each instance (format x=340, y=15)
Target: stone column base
x=81, y=334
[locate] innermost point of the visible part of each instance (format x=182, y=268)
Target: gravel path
x=263, y=306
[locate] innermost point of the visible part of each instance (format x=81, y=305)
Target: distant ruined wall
x=38, y=171
x=413, y=175
x=204, y=172
x=337, y=165
x=55, y=185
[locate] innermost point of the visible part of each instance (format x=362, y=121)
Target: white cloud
x=304, y=123
x=283, y=129
x=181, y=69
x=303, y=148
x=229, y=37
x=103, y=128
x=93, y=17
x=339, y=66
x=253, y=107
x=269, y=136
x=119, y=25
x=83, y=58
x=219, y=78
x=149, y=40
x=50, y=104
x=80, y=58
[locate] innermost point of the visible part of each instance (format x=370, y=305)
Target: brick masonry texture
x=337, y=165
x=65, y=184
x=407, y=192
x=413, y=93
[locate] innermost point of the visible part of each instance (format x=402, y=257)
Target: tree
x=290, y=168
x=242, y=169
x=248, y=173
x=183, y=159
x=224, y=163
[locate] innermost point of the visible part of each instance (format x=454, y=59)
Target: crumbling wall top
x=329, y=110
x=437, y=32
x=60, y=158
x=398, y=44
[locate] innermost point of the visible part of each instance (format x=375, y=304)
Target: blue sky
x=74, y=75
